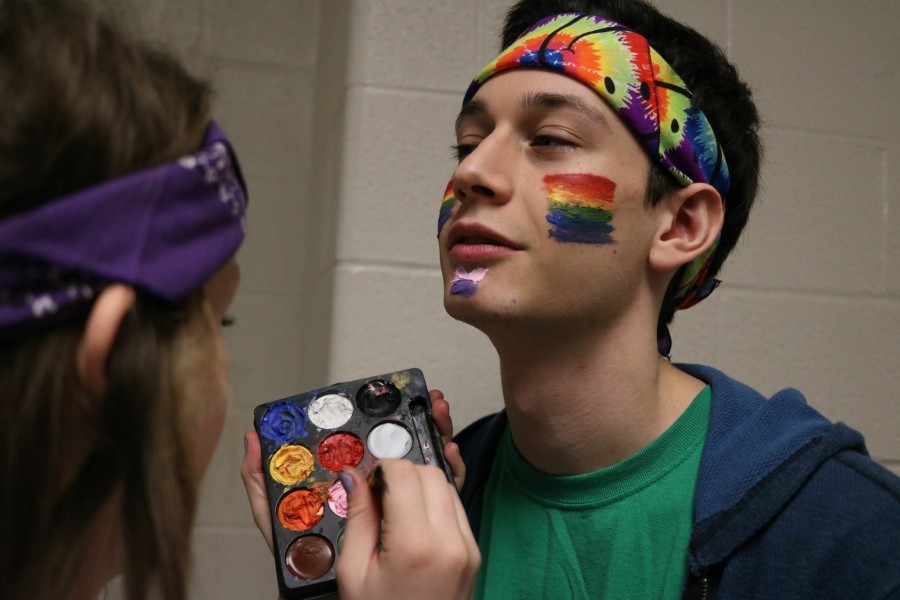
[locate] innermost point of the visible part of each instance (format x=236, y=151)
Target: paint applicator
x=378, y=486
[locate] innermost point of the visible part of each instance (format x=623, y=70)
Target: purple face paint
x=465, y=283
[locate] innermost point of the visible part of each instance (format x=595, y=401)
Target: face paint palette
x=308, y=438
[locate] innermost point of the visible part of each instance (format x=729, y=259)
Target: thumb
x=255, y=486
x=363, y=529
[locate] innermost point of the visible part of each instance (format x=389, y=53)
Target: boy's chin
x=471, y=309
x=458, y=306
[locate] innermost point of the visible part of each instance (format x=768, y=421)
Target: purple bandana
x=165, y=230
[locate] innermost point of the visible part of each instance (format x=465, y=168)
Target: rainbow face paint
x=447, y=204
x=581, y=208
x=307, y=439
x=465, y=283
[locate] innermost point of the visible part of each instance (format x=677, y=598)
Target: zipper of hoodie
x=704, y=588
x=697, y=588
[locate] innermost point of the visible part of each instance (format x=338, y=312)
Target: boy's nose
x=483, y=174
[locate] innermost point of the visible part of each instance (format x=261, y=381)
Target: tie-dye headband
x=165, y=230
x=652, y=100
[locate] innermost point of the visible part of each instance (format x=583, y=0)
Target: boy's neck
x=577, y=404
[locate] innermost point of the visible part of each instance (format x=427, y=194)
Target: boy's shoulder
x=785, y=492
x=836, y=535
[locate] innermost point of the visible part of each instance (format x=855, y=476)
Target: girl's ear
x=100, y=331
x=689, y=225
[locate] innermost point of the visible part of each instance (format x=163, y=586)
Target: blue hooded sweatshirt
x=787, y=504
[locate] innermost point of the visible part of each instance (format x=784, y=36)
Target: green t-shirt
x=621, y=532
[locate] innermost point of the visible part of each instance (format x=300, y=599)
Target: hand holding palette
x=308, y=438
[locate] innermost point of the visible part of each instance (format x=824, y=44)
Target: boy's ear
x=100, y=331
x=690, y=221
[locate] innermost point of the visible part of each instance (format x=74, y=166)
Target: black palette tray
x=307, y=438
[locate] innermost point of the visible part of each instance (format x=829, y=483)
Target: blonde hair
x=84, y=103
x=66, y=453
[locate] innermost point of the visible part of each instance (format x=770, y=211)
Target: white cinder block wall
x=810, y=297
x=342, y=114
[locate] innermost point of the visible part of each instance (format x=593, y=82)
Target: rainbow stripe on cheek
x=447, y=204
x=581, y=207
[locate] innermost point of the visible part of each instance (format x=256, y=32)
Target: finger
x=404, y=503
x=255, y=486
x=440, y=411
x=457, y=466
x=450, y=526
x=465, y=529
x=362, y=532
x=438, y=500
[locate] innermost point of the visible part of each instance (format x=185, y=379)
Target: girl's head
x=113, y=387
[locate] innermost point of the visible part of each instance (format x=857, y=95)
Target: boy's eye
x=461, y=151
x=549, y=140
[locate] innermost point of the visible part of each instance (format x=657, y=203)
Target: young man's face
x=549, y=222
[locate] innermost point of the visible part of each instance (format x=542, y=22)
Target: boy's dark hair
x=717, y=90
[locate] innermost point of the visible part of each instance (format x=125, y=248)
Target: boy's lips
x=473, y=242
